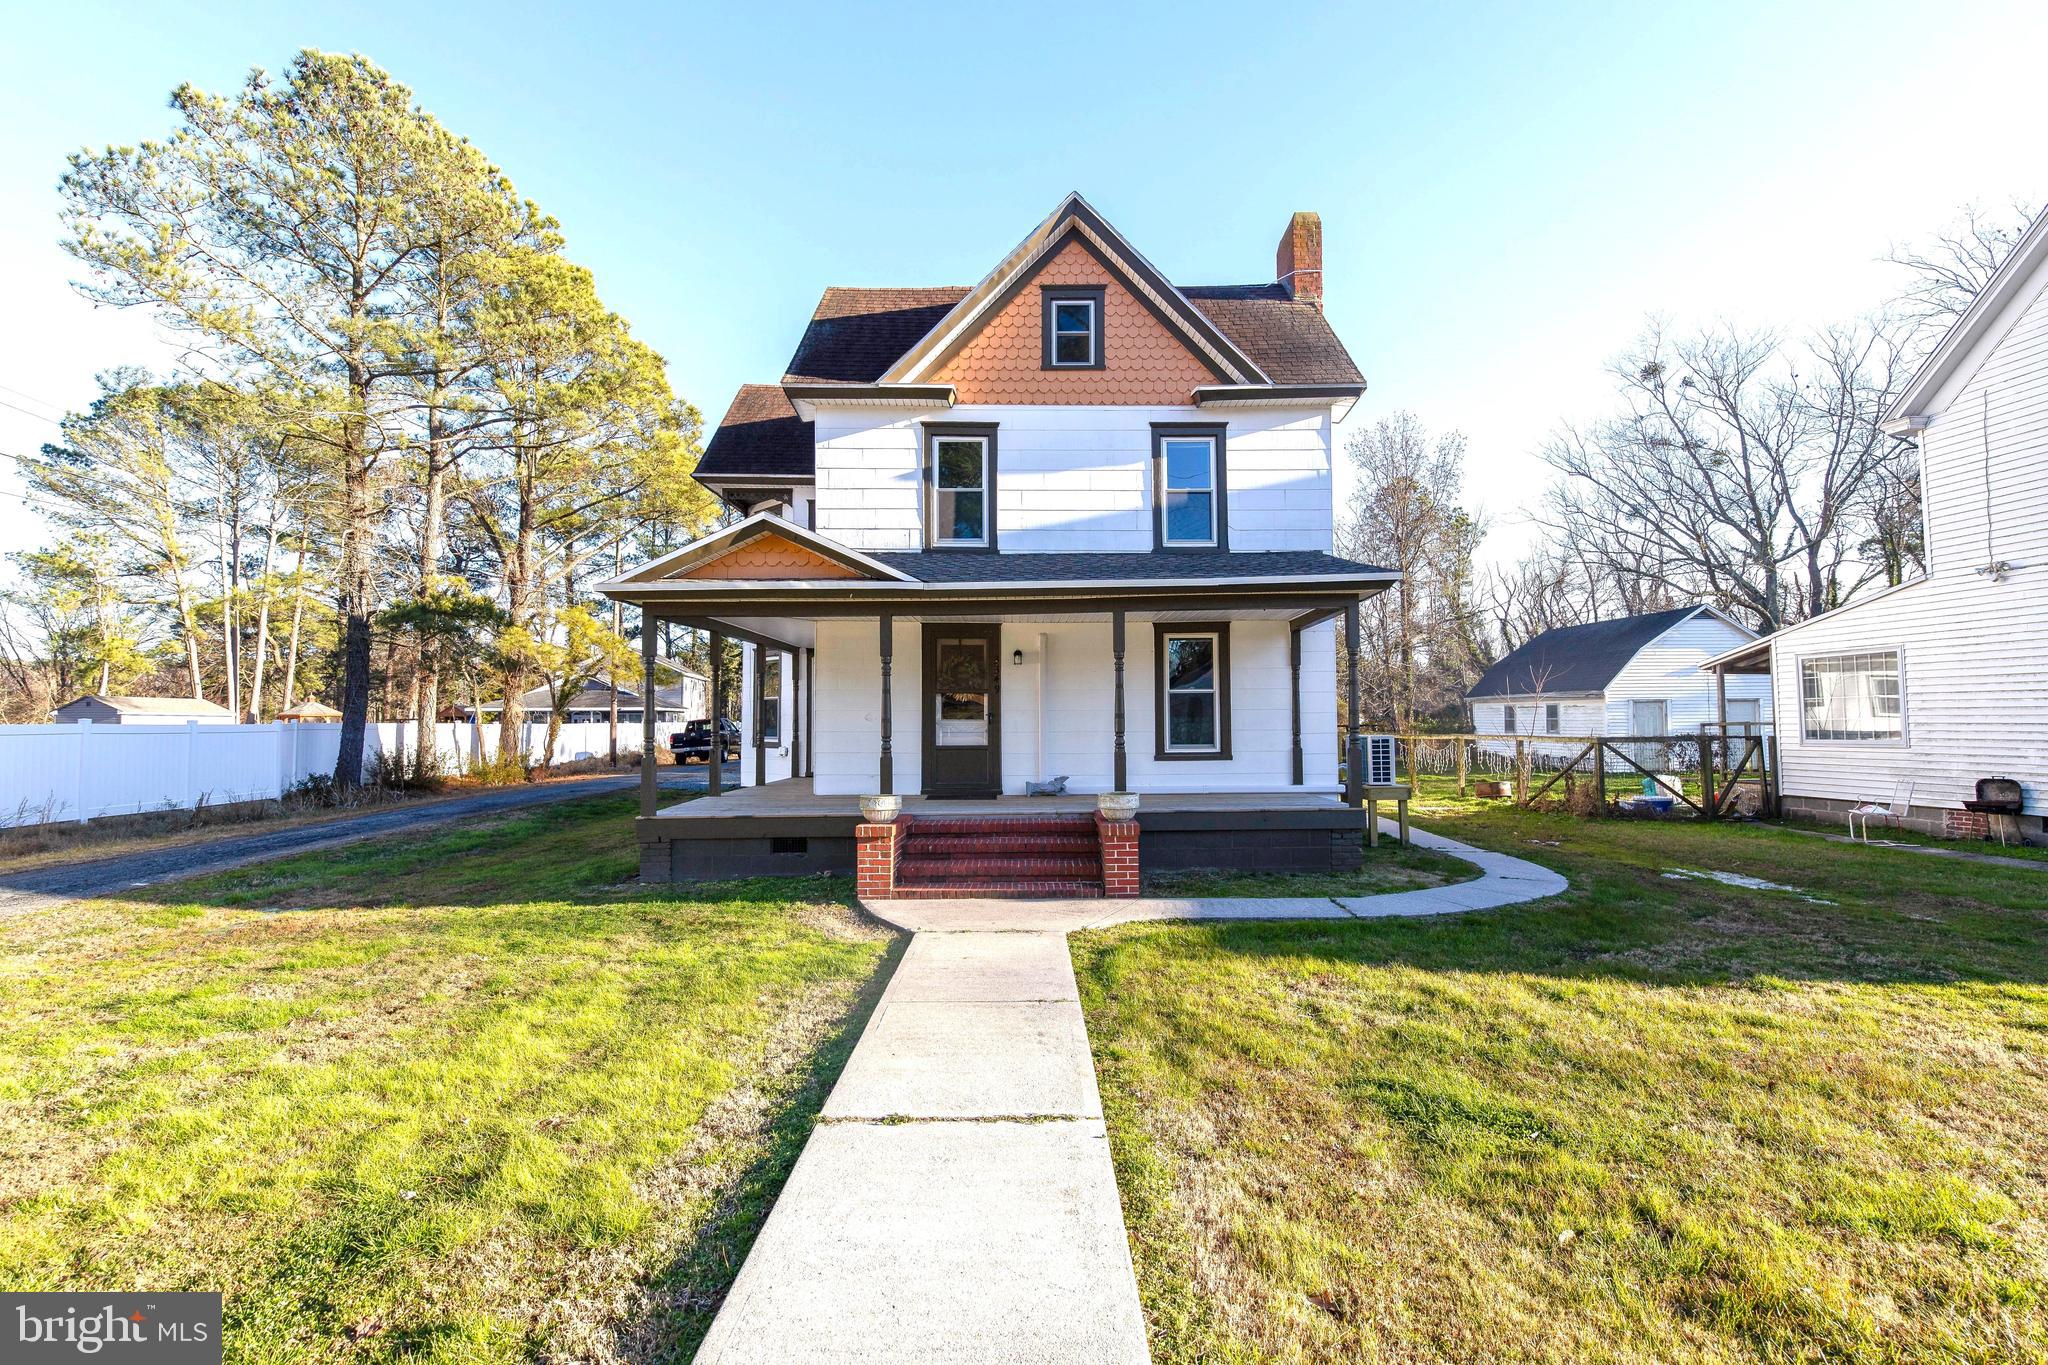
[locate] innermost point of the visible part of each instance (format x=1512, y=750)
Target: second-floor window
x=1073, y=328
x=960, y=483
x=1188, y=487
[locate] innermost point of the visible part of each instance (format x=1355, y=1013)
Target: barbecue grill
x=1997, y=796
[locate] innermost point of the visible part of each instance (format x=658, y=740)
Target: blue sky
x=1506, y=191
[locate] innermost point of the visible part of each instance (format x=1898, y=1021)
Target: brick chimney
x=1298, y=264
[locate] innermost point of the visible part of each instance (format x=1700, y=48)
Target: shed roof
x=154, y=706
x=1576, y=659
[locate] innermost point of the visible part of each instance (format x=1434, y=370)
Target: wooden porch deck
x=794, y=797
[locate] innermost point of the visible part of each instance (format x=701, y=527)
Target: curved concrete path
x=956, y=1202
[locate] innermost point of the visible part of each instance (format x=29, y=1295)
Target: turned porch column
x=714, y=783
x=888, y=633
x=1354, y=754
x=1116, y=648
x=649, y=783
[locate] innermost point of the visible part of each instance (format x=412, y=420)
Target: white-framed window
x=771, y=698
x=1553, y=720
x=1071, y=332
x=1507, y=720
x=960, y=490
x=1193, y=667
x=1853, y=697
x=1187, y=501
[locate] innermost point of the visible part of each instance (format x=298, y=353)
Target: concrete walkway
x=956, y=1201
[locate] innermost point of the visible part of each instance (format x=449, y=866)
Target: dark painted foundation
x=1292, y=840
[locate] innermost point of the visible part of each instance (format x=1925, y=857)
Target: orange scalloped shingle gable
x=1143, y=362
x=769, y=556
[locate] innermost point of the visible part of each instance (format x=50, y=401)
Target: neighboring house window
x=1190, y=508
x=1852, y=697
x=1551, y=719
x=771, y=698
x=1192, y=702
x=960, y=486
x=1073, y=328
x=1508, y=719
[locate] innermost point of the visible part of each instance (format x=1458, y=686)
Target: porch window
x=1188, y=487
x=960, y=466
x=1073, y=328
x=1193, y=704
x=771, y=699
x=1853, y=697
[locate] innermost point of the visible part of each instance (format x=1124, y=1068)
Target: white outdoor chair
x=1892, y=813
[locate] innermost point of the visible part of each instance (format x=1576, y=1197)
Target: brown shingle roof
x=761, y=437
x=1292, y=342
x=855, y=335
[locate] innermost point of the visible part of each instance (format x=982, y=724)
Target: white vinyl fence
x=83, y=771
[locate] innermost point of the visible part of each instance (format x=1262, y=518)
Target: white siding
x=1668, y=670
x=1973, y=652
x=1076, y=478
x=777, y=761
x=1077, y=709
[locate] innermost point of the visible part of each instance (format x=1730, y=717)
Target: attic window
x=1073, y=328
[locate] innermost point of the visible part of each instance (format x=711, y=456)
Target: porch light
x=1017, y=657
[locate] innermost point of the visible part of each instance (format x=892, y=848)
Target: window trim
x=1218, y=434
x=933, y=433
x=1508, y=718
x=1904, y=739
x=1096, y=297
x=1161, y=632
x=1553, y=718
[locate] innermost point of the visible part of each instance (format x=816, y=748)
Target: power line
x=39, y=402
x=26, y=413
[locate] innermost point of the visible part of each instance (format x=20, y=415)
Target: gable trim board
x=1074, y=219
x=1969, y=340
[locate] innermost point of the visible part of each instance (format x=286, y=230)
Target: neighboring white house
x=143, y=711
x=1636, y=675
x=1942, y=680
x=1074, y=520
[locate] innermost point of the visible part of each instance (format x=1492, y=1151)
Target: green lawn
x=462, y=1097
x=1389, y=867
x=1653, y=1119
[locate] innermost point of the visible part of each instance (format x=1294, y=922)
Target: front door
x=963, y=740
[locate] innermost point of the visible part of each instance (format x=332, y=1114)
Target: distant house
x=1942, y=680
x=1637, y=675
x=685, y=699
x=142, y=711
x=315, y=711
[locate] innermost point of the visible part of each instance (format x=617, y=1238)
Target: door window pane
x=1191, y=718
x=1188, y=498
x=960, y=685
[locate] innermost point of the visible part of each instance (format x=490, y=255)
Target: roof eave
x=1969, y=329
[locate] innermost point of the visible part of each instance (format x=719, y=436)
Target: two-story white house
x=1073, y=521
x=1942, y=681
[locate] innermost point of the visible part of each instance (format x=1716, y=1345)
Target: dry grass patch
x=1644, y=1121
x=482, y=1103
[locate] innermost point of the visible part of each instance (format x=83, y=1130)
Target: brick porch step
x=1026, y=825
x=1055, y=845
x=989, y=888
x=920, y=865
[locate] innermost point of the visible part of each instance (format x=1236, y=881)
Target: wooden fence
x=1708, y=774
